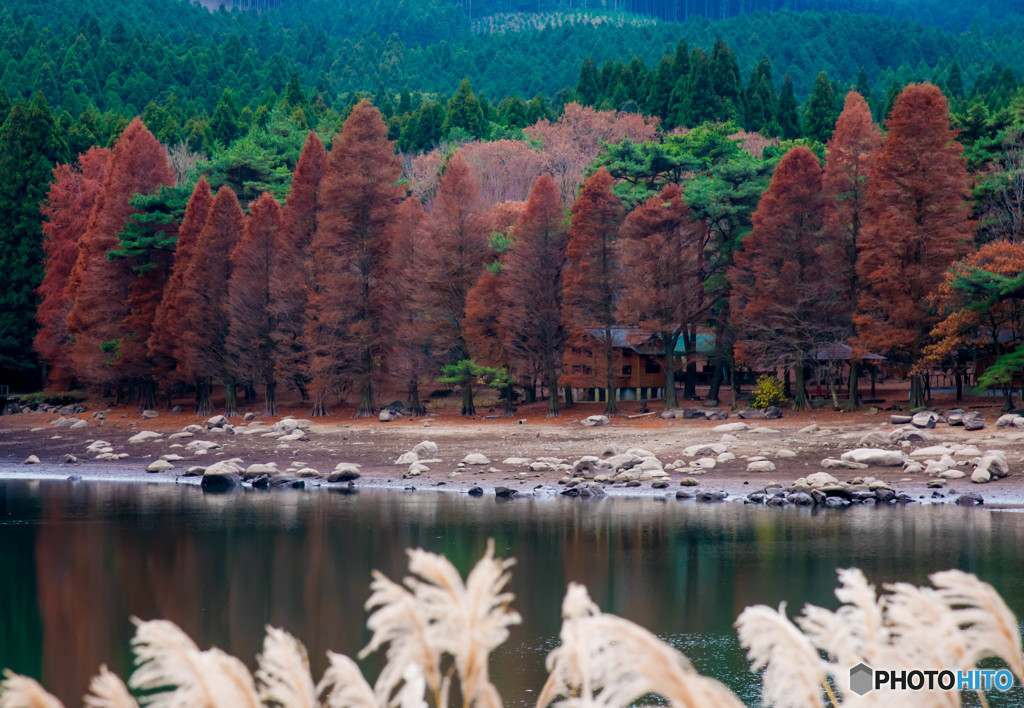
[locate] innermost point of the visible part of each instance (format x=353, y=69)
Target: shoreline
x=531, y=455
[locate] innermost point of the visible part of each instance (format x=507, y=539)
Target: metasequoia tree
x=982, y=304
x=784, y=297
x=532, y=276
x=411, y=341
x=591, y=284
x=171, y=320
x=289, y=277
x=485, y=336
x=918, y=222
x=66, y=211
x=504, y=169
x=351, y=311
x=452, y=258
x=851, y=157
x=99, y=285
x=661, y=251
x=250, y=345
x=204, y=293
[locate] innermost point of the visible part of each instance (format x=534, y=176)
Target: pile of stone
x=421, y=455
x=822, y=489
x=970, y=420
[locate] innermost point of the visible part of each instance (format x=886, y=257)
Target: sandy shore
x=375, y=446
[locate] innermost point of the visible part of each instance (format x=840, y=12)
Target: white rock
x=646, y=475
x=875, y=438
x=79, y=424
x=761, y=466
x=224, y=467
x=966, y=453
x=216, y=421
x=172, y=458
x=542, y=467
x=179, y=436
x=725, y=457
x=980, y=476
x=298, y=435
x=952, y=474
x=874, y=457
x=1008, y=420
x=783, y=453
x=160, y=466
x=730, y=428
x=595, y=421
x=407, y=458
x=427, y=448
x=204, y=445
x=307, y=472
x=97, y=445
x=727, y=439
x=831, y=464
x=912, y=467
x=640, y=452
x=194, y=429
x=476, y=458
x=516, y=461
x=144, y=436
x=107, y=456
x=995, y=466
x=260, y=468
x=706, y=463
x=933, y=451
x=821, y=479
x=31, y=460
x=812, y=428
x=416, y=469
x=705, y=450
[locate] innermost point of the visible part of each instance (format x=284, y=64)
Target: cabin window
x=651, y=366
x=627, y=369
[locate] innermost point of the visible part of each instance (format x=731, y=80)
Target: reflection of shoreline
x=222, y=566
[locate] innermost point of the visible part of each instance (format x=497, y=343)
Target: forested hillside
x=96, y=253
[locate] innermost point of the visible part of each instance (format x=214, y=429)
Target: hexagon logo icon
x=861, y=679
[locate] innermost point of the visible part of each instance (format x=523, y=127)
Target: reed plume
x=343, y=685
x=107, y=690
x=283, y=675
x=18, y=691
x=606, y=661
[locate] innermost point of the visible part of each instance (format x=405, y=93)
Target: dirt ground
x=529, y=435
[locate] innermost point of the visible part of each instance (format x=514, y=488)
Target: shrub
x=768, y=392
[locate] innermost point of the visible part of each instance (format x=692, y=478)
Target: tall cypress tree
x=789, y=119
x=822, y=110
x=762, y=103
x=587, y=87
x=30, y=146
x=725, y=79
x=464, y=111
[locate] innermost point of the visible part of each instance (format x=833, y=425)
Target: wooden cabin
x=639, y=372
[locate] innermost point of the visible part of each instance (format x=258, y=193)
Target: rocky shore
x=955, y=456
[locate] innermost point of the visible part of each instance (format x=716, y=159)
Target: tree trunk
x=570, y=402
x=610, y=406
x=690, y=381
x=147, y=394
x=800, y=401
x=552, y=383
x=249, y=393
x=509, y=408
x=320, y=405
x=467, y=400
x=787, y=390
x=669, y=362
x=853, y=402
x=916, y=392
x=959, y=379
x=1008, y=404
x=874, y=372
x=271, y=395
x=366, y=408
x=204, y=406
x=414, y=398
x=531, y=391
x=230, y=397
x=719, y=376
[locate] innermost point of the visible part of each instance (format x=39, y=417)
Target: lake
x=78, y=560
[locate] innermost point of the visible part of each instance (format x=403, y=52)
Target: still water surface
x=77, y=561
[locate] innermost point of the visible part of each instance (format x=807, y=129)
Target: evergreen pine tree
x=789, y=119
x=587, y=87
x=464, y=111
x=822, y=110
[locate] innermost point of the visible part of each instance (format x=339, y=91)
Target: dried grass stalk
x=107, y=690
x=610, y=662
x=343, y=685
x=18, y=691
x=283, y=675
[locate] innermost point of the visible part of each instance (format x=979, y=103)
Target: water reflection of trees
x=223, y=566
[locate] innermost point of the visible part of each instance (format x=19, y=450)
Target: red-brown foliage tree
x=100, y=286
x=532, y=275
x=204, y=298
x=918, y=222
x=454, y=249
x=662, y=295
x=785, y=300
x=591, y=283
x=250, y=345
x=411, y=349
x=66, y=211
x=851, y=158
x=351, y=309
x=171, y=319
x=290, y=282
